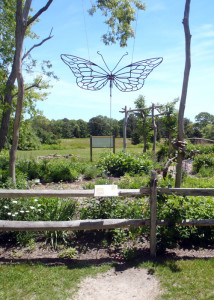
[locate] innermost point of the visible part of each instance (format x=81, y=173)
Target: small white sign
x=106, y=190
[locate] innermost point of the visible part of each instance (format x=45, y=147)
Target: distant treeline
x=40, y=130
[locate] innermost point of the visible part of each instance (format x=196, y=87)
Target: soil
x=121, y=282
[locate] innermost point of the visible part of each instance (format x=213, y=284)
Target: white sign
x=106, y=190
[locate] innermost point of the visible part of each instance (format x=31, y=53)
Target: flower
x=5, y=206
x=21, y=211
x=14, y=201
x=27, y=211
x=38, y=205
x=36, y=200
x=32, y=207
x=9, y=214
x=39, y=210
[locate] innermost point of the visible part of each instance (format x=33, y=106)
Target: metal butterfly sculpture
x=90, y=76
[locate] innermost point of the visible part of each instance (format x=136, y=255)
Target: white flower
x=9, y=214
x=38, y=205
x=39, y=210
x=16, y=213
x=32, y=207
x=13, y=215
x=36, y=200
x=21, y=211
x=14, y=201
x=27, y=211
x=6, y=206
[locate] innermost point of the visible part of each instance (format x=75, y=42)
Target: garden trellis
x=140, y=112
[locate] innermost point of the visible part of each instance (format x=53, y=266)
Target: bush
x=51, y=170
x=91, y=172
x=42, y=209
x=121, y=163
x=203, y=160
x=176, y=209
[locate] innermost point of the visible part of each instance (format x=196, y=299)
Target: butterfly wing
x=132, y=77
x=88, y=75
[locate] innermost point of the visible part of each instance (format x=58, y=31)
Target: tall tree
x=180, y=138
x=23, y=22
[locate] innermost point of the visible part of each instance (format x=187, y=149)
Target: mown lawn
x=179, y=280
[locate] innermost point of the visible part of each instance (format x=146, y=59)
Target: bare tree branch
x=31, y=20
x=37, y=45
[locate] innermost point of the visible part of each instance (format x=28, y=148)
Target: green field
x=79, y=147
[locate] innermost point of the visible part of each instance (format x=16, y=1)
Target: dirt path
x=131, y=283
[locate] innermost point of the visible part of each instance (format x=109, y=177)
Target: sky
x=159, y=33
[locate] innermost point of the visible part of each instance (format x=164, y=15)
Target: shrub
x=121, y=163
x=91, y=172
x=203, y=160
x=42, y=209
x=176, y=209
x=133, y=182
x=56, y=172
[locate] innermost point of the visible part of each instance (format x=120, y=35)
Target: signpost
x=101, y=142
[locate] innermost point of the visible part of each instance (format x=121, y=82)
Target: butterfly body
x=92, y=77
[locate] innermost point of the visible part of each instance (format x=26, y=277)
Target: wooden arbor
x=141, y=112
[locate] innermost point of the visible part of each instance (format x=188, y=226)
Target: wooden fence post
x=153, y=213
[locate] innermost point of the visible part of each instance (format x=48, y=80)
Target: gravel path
x=132, y=283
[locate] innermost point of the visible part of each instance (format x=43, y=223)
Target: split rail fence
x=90, y=224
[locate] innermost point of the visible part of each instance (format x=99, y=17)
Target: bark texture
x=184, y=93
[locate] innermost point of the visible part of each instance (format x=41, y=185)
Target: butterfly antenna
x=98, y=52
x=119, y=61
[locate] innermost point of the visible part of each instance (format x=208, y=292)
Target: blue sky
x=159, y=34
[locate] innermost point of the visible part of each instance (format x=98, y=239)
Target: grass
x=79, y=147
x=185, y=279
x=181, y=279
x=38, y=281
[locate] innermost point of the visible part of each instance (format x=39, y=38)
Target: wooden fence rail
x=151, y=191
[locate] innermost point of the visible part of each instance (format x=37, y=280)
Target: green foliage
x=203, y=160
x=162, y=152
x=56, y=172
x=174, y=209
x=121, y=163
x=112, y=208
x=135, y=138
x=51, y=170
x=133, y=182
x=68, y=253
x=42, y=209
x=91, y=172
x=119, y=16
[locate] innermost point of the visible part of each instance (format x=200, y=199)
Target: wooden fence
x=151, y=191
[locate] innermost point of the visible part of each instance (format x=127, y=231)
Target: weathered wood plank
x=90, y=193
x=153, y=213
x=186, y=191
x=70, y=225
x=66, y=193
x=91, y=224
x=205, y=222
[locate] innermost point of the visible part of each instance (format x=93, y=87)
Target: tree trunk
x=184, y=93
x=7, y=107
x=125, y=128
x=144, y=135
x=154, y=128
x=16, y=127
x=170, y=143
